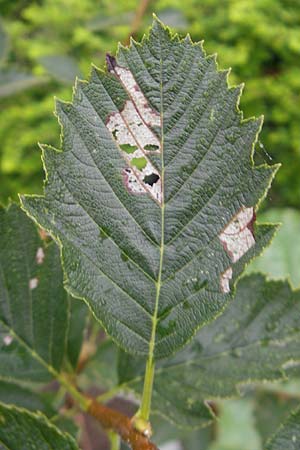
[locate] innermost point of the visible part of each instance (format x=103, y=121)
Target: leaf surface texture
x=156, y=165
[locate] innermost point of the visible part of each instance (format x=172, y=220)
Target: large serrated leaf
x=35, y=310
x=21, y=429
x=257, y=338
x=152, y=197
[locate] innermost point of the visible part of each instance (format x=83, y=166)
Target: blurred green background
x=45, y=44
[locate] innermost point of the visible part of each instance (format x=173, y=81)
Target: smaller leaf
x=77, y=324
x=100, y=22
x=12, y=393
x=21, y=429
x=288, y=435
x=271, y=409
x=13, y=81
x=173, y=18
x=166, y=433
x=61, y=67
x=34, y=307
x=65, y=424
x=236, y=426
x=257, y=338
x=102, y=369
x=4, y=43
x=282, y=258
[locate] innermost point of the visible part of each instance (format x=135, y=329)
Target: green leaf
x=282, y=258
x=257, y=338
x=102, y=22
x=102, y=368
x=236, y=427
x=34, y=307
x=20, y=429
x=288, y=435
x=271, y=409
x=4, y=43
x=198, y=440
x=62, y=67
x=66, y=424
x=77, y=324
x=173, y=18
x=13, y=81
x=12, y=393
x=156, y=251
x=165, y=434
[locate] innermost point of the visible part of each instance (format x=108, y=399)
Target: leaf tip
x=110, y=62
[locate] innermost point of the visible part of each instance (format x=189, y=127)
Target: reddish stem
x=121, y=424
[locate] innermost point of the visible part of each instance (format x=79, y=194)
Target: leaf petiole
x=114, y=440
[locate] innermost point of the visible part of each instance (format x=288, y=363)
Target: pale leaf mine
x=132, y=129
x=237, y=238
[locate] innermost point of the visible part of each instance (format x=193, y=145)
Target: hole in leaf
x=151, y=147
x=151, y=179
x=139, y=163
x=128, y=148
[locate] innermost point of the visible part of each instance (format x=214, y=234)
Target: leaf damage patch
x=237, y=238
x=33, y=283
x=7, y=340
x=225, y=279
x=40, y=256
x=132, y=129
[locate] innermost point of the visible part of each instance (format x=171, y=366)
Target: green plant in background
x=260, y=39
x=152, y=201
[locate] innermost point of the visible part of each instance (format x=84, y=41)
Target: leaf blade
x=128, y=247
x=34, y=307
x=255, y=339
x=22, y=429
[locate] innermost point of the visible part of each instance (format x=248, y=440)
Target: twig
x=121, y=424
x=108, y=418
x=135, y=24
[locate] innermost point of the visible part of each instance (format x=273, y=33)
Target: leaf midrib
x=120, y=112
x=104, y=177
x=162, y=242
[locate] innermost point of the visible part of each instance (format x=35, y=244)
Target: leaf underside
x=152, y=197
x=257, y=338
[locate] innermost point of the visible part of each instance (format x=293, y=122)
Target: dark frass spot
x=151, y=179
x=151, y=147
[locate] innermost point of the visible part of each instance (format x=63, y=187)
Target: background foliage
x=53, y=40
x=44, y=44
